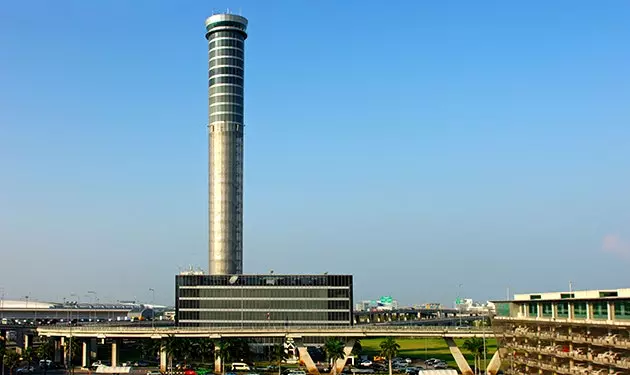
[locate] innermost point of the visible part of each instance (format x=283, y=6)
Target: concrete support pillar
x=463, y=365
x=93, y=350
x=347, y=350
x=115, y=352
x=589, y=311
x=84, y=354
x=554, y=310
x=217, y=360
x=57, y=350
x=611, y=310
x=28, y=341
x=64, y=350
x=163, y=357
x=311, y=368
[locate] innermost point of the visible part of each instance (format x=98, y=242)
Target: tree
x=28, y=355
x=174, y=348
x=11, y=360
x=278, y=355
x=149, y=348
x=46, y=348
x=333, y=347
x=475, y=346
x=203, y=348
x=223, y=353
x=72, y=350
x=357, y=348
x=389, y=350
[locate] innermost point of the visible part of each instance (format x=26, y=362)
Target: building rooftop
x=572, y=295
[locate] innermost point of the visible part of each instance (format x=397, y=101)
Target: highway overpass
x=115, y=334
x=132, y=331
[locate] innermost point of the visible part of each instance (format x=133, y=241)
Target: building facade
x=263, y=300
x=226, y=34
x=581, y=332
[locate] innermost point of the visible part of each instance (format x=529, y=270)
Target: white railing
x=291, y=329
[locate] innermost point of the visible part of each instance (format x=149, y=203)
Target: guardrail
x=291, y=329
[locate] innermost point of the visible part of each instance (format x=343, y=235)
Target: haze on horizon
x=418, y=146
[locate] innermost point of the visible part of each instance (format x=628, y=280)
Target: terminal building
x=263, y=300
x=576, y=332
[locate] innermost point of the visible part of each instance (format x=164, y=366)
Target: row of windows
x=264, y=316
x=226, y=108
x=226, y=99
x=265, y=304
x=226, y=61
x=227, y=34
x=231, y=52
x=226, y=43
x=234, y=24
x=225, y=89
x=226, y=79
x=264, y=280
x=229, y=117
x=226, y=70
x=599, y=309
x=255, y=293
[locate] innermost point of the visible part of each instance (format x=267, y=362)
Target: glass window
x=533, y=310
x=547, y=309
x=600, y=310
x=622, y=310
x=563, y=309
x=579, y=310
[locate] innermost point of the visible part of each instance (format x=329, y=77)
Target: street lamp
x=152, y=307
x=93, y=293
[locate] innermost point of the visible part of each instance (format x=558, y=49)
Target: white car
x=366, y=363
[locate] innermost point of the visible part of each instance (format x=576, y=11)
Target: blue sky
x=417, y=145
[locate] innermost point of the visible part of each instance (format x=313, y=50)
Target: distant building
x=385, y=303
x=468, y=306
x=581, y=332
x=262, y=300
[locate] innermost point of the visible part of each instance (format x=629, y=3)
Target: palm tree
x=475, y=346
x=173, y=347
x=203, y=348
x=223, y=352
x=278, y=355
x=389, y=350
x=333, y=348
x=11, y=360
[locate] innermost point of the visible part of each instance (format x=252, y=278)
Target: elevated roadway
x=96, y=331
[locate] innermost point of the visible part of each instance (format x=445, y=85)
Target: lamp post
x=92, y=293
x=459, y=303
x=152, y=307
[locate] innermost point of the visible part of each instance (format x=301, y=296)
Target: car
x=25, y=370
x=366, y=363
x=408, y=360
x=411, y=370
x=240, y=366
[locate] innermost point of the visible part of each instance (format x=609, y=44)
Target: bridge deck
x=218, y=332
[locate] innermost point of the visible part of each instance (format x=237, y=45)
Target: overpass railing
x=291, y=329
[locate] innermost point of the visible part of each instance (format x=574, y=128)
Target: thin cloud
x=613, y=244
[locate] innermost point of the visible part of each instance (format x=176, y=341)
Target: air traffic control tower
x=226, y=34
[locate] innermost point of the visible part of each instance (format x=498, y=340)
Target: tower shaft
x=226, y=39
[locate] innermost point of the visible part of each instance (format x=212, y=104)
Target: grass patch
x=425, y=348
